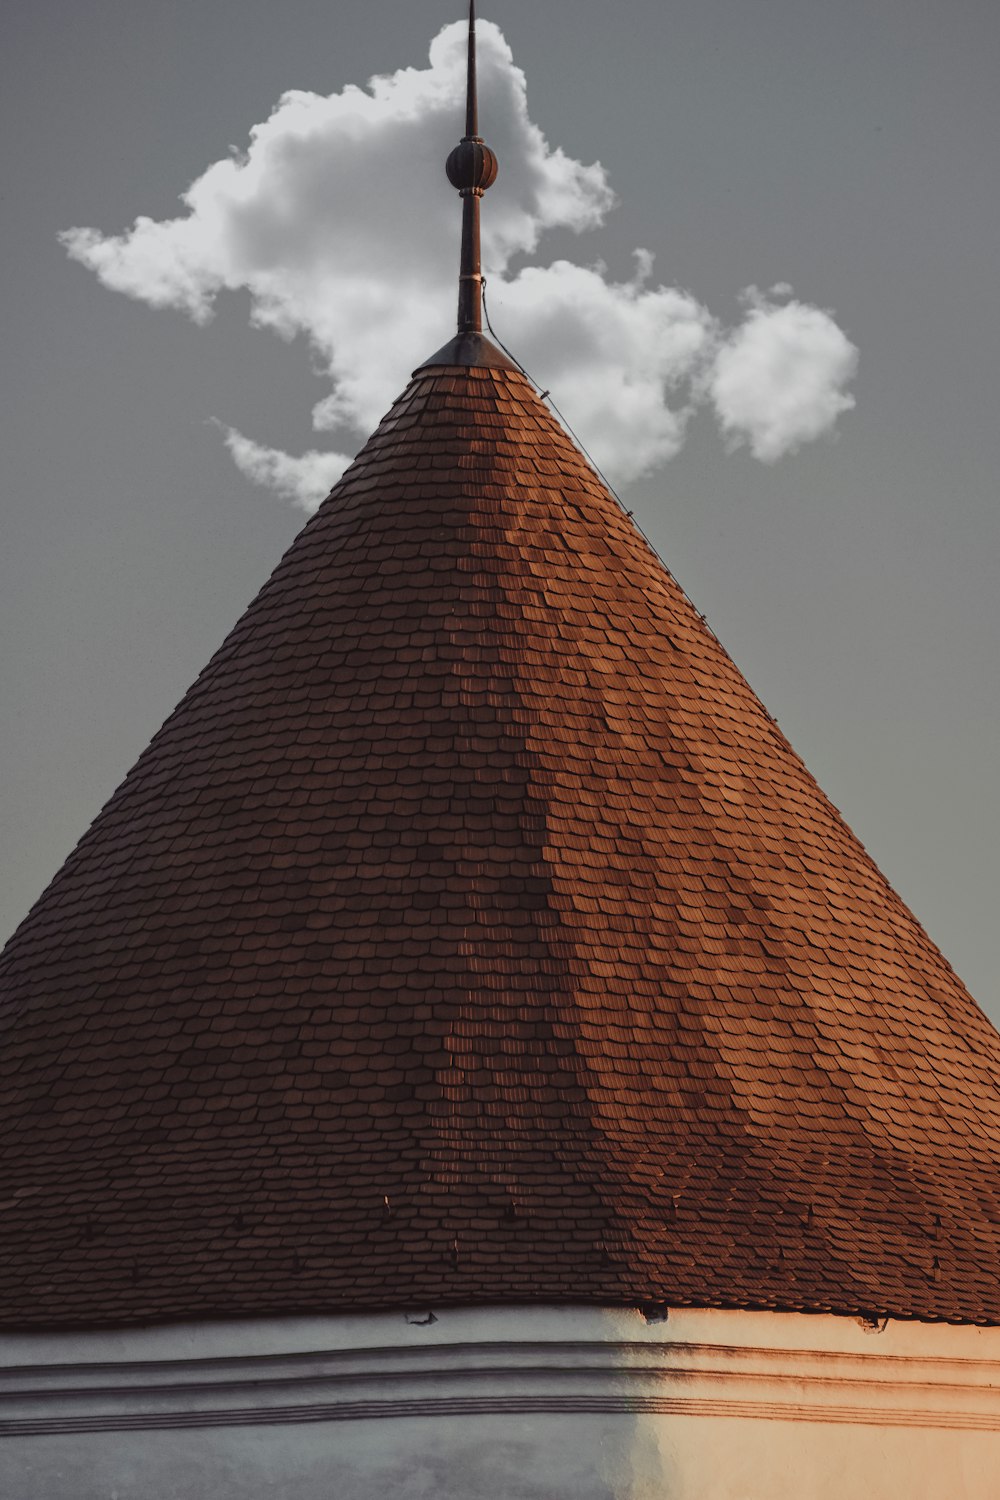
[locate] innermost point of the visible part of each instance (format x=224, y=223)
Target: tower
x=470, y=1006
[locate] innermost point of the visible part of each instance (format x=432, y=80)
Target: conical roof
x=471, y=933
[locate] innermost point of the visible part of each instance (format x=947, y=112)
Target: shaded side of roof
x=469, y=933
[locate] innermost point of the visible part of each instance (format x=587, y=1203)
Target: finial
x=471, y=168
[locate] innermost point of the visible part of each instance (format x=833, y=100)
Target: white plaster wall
x=505, y=1404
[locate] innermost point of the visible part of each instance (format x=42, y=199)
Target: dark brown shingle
x=470, y=933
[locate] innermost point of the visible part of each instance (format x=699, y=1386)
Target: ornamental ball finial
x=472, y=166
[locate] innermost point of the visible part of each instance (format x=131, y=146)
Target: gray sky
x=848, y=149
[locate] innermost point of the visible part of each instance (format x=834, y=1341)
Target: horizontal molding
x=515, y=1377
x=660, y=1357
x=452, y=1406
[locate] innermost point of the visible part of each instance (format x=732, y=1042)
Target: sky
x=749, y=246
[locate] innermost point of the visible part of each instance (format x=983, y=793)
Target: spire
x=471, y=93
x=471, y=168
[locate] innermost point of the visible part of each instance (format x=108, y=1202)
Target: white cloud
x=779, y=380
x=306, y=480
x=618, y=357
x=340, y=223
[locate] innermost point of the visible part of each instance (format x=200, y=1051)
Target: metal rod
x=471, y=168
x=470, y=281
x=471, y=101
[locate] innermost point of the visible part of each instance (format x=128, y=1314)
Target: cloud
x=306, y=480
x=617, y=356
x=339, y=222
x=779, y=380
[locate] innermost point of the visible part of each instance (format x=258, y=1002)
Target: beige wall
x=504, y=1403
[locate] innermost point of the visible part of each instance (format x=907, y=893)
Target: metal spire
x=471, y=168
x=471, y=92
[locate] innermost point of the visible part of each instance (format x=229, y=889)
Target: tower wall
x=491, y=1404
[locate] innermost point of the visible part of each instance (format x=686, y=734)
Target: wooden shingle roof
x=470, y=933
